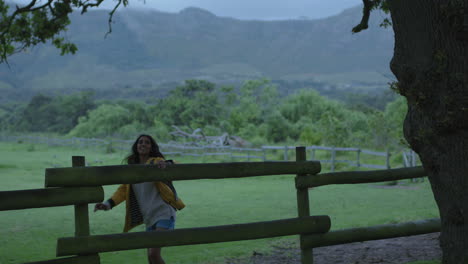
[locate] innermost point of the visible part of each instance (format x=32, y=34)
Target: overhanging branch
x=19, y=29
x=111, y=15
x=368, y=4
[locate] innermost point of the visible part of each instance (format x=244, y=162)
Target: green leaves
x=194, y=104
x=65, y=47
x=256, y=113
x=36, y=23
x=30, y=25
x=103, y=121
x=54, y=114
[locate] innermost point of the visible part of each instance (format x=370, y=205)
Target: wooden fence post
x=286, y=158
x=312, y=156
x=81, y=210
x=333, y=157
x=82, y=215
x=387, y=161
x=303, y=206
x=358, y=162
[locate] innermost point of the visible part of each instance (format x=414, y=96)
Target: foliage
x=30, y=25
x=38, y=22
x=395, y=113
x=256, y=100
x=254, y=111
x=10, y=115
x=194, y=104
x=160, y=130
x=106, y=120
x=387, y=125
x=323, y=121
x=53, y=114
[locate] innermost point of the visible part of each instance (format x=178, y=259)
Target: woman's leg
x=154, y=254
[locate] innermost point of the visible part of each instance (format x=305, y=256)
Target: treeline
x=254, y=111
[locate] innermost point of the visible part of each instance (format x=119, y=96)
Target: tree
x=41, y=21
x=106, y=120
x=430, y=63
x=194, y=104
x=256, y=100
x=54, y=114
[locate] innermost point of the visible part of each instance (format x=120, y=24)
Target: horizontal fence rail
x=36, y=198
x=371, y=233
x=354, y=177
x=92, y=259
x=106, y=175
x=190, y=236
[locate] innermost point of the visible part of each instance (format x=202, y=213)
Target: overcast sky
x=253, y=9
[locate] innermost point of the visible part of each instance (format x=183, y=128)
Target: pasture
x=30, y=235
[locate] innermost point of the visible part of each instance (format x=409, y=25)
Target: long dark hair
x=134, y=158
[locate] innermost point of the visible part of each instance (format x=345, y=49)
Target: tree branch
x=111, y=15
x=368, y=5
x=29, y=25
x=49, y=2
x=19, y=10
x=85, y=6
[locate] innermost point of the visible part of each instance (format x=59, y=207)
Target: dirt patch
x=387, y=251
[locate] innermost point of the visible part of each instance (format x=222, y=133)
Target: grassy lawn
x=31, y=235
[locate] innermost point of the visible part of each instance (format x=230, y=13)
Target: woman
x=143, y=200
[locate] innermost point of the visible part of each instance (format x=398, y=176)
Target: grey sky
x=253, y=9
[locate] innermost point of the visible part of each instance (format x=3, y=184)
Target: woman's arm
x=118, y=197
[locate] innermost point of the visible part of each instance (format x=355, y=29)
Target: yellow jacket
x=132, y=215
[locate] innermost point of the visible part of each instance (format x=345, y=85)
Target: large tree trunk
x=431, y=65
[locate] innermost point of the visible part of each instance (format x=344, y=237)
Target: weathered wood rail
x=355, y=177
x=371, y=233
x=192, y=236
x=50, y=197
x=106, y=175
x=81, y=185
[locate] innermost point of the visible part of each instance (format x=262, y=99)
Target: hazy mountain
x=149, y=50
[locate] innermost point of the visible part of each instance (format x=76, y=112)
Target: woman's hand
x=101, y=206
x=162, y=164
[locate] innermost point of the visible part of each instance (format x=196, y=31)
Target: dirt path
x=386, y=251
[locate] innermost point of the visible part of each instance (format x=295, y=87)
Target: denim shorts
x=164, y=223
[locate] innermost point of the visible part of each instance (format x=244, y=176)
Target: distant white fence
x=264, y=153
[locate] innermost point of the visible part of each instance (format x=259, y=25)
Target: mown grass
x=31, y=235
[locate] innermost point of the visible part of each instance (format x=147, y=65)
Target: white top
x=152, y=206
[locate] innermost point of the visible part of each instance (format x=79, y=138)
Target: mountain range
x=153, y=51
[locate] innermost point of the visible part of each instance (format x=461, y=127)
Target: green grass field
x=31, y=234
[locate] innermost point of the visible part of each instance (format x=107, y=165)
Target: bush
x=104, y=121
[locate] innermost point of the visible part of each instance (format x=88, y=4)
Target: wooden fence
x=263, y=153
x=81, y=185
